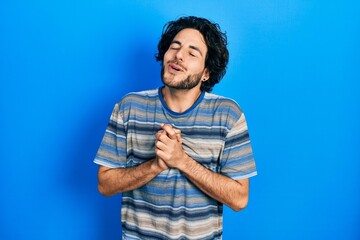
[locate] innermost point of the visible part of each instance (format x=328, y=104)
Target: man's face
x=184, y=61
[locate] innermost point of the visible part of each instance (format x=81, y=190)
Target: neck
x=180, y=100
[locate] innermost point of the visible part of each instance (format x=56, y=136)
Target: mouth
x=175, y=67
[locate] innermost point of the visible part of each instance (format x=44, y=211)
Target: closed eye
x=174, y=46
x=192, y=54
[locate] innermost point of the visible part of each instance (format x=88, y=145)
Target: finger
x=162, y=136
x=178, y=135
x=160, y=151
x=159, y=144
x=170, y=131
x=159, y=133
x=161, y=155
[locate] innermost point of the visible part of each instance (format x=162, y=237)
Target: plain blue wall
x=294, y=68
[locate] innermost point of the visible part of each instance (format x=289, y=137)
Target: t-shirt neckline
x=162, y=100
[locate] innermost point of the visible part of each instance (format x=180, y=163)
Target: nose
x=179, y=55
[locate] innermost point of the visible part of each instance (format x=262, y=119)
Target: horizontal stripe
x=135, y=232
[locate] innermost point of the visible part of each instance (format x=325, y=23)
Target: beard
x=188, y=83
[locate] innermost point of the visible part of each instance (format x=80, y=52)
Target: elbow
x=103, y=190
x=239, y=207
x=240, y=204
x=105, y=182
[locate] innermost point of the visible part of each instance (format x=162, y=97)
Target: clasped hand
x=168, y=147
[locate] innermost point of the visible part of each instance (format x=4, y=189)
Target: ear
x=206, y=75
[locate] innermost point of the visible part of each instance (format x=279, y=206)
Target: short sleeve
x=237, y=160
x=112, y=150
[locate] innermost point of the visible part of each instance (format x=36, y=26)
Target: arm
x=116, y=180
x=222, y=188
x=233, y=193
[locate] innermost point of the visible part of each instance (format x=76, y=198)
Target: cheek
x=197, y=66
x=167, y=56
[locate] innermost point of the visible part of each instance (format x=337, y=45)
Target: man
x=178, y=153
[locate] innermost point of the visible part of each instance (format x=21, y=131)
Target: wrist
x=186, y=163
x=157, y=165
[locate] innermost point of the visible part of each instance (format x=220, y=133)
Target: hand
x=168, y=146
x=160, y=163
x=171, y=132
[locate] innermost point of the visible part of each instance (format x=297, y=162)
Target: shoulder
x=134, y=101
x=222, y=104
x=137, y=98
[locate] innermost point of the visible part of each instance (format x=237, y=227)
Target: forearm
x=116, y=180
x=222, y=188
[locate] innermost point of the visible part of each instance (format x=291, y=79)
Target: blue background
x=294, y=69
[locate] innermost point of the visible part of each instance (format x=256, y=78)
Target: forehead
x=191, y=37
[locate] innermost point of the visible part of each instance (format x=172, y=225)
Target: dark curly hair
x=217, y=56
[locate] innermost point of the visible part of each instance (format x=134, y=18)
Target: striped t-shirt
x=214, y=133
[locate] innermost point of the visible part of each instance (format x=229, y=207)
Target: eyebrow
x=191, y=46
